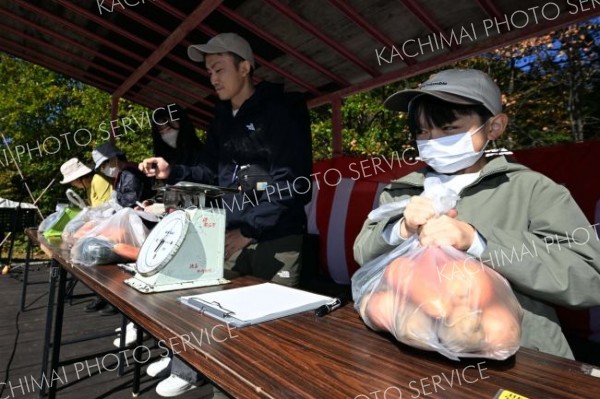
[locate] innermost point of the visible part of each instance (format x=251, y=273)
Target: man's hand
x=418, y=211
x=446, y=230
x=155, y=167
x=235, y=241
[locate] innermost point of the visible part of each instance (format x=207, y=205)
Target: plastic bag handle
x=75, y=199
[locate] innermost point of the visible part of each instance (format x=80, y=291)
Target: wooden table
x=335, y=356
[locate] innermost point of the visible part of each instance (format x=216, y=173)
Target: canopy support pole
x=336, y=126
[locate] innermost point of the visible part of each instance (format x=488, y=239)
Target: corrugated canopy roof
x=137, y=49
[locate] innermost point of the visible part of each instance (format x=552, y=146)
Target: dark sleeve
x=290, y=165
x=129, y=189
x=207, y=168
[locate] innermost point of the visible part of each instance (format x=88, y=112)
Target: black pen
x=329, y=307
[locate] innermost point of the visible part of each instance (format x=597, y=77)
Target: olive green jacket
x=537, y=238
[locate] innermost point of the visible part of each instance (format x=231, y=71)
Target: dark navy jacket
x=271, y=133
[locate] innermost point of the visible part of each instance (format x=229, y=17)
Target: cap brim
x=196, y=52
x=401, y=100
x=100, y=162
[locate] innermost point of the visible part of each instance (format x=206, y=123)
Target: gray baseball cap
x=104, y=153
x=222, y=43
x=458, y=86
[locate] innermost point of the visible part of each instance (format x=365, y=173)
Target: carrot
x=126, y=251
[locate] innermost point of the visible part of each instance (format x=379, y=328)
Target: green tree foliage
x=551, y=87
x=46, y=118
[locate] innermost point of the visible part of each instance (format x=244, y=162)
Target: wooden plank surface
x=335, y=356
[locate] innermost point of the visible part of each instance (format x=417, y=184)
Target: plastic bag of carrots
x=438, y=298
x=86, y=220
x=115, y=239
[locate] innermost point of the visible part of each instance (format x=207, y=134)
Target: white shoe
x=158, y=368
x=173, y=386
x=130, y=336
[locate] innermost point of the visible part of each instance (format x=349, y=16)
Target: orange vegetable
x=501, y=328
x=380, y=310
x=86, y=228
x=126, y=251
x=425, y=286
x=414, y=327
x=462, y=331
x=468, y=284
x=396, y=273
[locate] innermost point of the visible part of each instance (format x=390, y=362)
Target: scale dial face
x=162, y=243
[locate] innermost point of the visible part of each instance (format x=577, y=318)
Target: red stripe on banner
x=359, y=206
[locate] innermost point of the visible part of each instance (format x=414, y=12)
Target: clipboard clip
x=212, y=308
x=226, y=312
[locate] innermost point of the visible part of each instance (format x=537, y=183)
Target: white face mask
x=169, y=136
x=451, y=153
x=110, y=171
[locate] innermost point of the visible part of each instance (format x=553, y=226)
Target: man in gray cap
x=259, y=143
x=504, y=207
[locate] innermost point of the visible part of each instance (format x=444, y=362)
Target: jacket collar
x=498, y=165
x=263, y=92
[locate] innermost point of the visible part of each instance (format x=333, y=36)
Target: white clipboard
x=255, y=304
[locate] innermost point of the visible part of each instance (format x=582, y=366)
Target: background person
x=130, y=185
x=503, y=205
x=262, y=135
x=97, y=188
x=173, y=139
x=174, y=136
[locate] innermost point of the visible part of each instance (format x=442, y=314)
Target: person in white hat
x=97, y=188
x=504, y=208
x=259, y=143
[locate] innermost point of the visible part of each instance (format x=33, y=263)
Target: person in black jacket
x=259, y=142
x=130, y=185
x=174, y=136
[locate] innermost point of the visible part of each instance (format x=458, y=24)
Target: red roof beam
x=50, y=63
x=115, y=28
x=58, y=50
x=73, y=28
x=161, y=92
x=211, y=32
x=132, y=14
x=229, y=13
x=181, y=90
x=312, y=29
x=85, y=33
x=64, y=39
x=423, y=16
x=153, y=103
x=196, y=17
x=362, y=23
x=490, y=8
x=271, y=66
x=465, y=52
x=158, y=28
